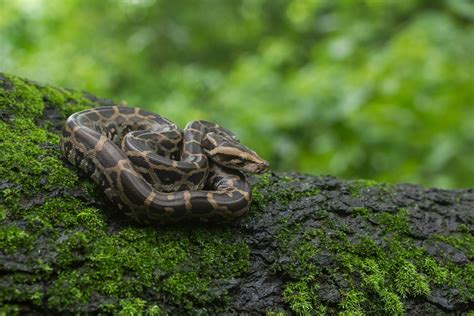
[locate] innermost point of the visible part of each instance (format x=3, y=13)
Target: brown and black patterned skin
x=156, y=173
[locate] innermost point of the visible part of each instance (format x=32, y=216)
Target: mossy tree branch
x=309, y=244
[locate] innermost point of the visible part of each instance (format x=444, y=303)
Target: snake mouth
x=258, y=168
x=247, y=166
x=263, y=167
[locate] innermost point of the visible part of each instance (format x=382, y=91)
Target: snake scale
x=157, y=173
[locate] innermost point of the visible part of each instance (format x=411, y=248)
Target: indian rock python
x=154, y=172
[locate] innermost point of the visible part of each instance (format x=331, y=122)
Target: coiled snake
x=154, y=172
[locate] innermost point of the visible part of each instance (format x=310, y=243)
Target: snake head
x=230, y=153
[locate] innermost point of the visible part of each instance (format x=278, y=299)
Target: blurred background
x=375, y=89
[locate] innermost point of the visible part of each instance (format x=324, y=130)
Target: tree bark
x=309, y=245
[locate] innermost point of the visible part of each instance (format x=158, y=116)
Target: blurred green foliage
x=359, y=89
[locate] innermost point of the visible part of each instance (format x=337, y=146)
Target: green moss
x=66, y=101
x=463, y=242
x=377, y=276
x=462, y=279
x=435, y=271
x=53, y=96
x=30, y=158
x=409, y=281
x=284, y=191
x=13, y=238
x=154, y=310
x=91, y=218
x=392, y=304
x=133, y=261
x=357, y=186
x=353, y=302
x=263, y=181
x=286, y=179
x=184, y=285
x=393, y=222
x=131, y=306
x=300, y=296
x=28, y=100
x=62, y=212
x=23, y=99
x=360, y=211
x=10, y=196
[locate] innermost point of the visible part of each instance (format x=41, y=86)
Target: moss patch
x=19, y=97
x=62, y=254
x=30, y=160
x=357, y=186
x=377, y=277
x=282, y=195
x=176, y=265
x=376, y=268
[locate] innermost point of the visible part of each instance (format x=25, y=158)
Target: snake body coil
x=154, y=172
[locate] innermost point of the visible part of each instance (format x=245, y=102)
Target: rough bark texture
x=310, y=245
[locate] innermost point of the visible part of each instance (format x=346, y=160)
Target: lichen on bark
x=309, y=245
